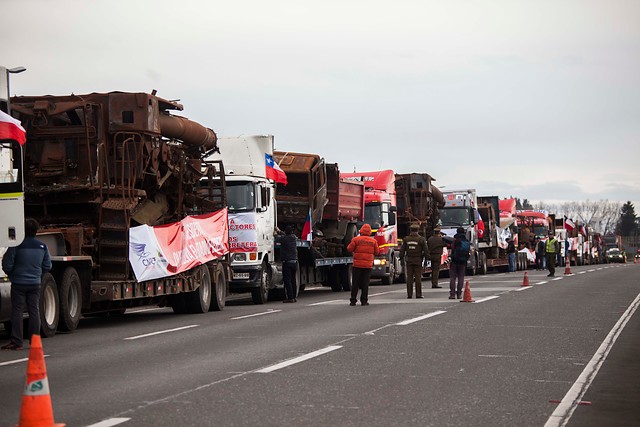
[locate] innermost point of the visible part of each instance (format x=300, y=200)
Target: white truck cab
x=252, y=210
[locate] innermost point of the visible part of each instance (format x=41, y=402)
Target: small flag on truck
x=273, y=170
x=11, y=128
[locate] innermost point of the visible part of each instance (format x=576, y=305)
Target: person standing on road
x=436, y=246
x=540, y=254
x=511, y=253
x=552, y=249
x=289, y=257
x=24, y=265
x=413, y=251
x=460, y=255
x=364, y=249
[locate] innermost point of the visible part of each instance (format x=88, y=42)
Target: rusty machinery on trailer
x=418, y=202
x=98, y=164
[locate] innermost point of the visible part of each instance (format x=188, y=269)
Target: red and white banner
x=243, y=232
x=11, y=128
x=170, y=249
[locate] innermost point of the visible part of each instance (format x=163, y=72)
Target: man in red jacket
x=364, y=249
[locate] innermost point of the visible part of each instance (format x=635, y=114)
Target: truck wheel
x=482, y=269
x=334, y=279
x=261, y=294
x=219, y=288
x=70, y=300
x=388, y=279
x=474, y=265
x=49, y=308
x=346, y=276
x=199, y=300
x=352, y=231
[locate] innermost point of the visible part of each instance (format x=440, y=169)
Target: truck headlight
x=379, y=262
x=239, y=256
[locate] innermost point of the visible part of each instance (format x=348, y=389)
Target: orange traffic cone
x=36, y=410
x=567, y=268
x=525, y=281
x=466, y=296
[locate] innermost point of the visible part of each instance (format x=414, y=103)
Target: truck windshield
x=240, y=196
x=455, y=216
x=540, y=231
x=373, y=214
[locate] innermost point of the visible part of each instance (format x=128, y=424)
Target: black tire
x=261, y=295
x=219, y=297
x=346, y=277
x=198, y=301
x=474, y=265
x=70, y=300
x=482, y=269
x=389, y=278
x=352, y=231
x=49, y=306
x=178, y=303
x=334, y=279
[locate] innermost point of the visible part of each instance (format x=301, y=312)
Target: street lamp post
x=14, y=70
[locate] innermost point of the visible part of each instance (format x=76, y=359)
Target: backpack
x=461, y=251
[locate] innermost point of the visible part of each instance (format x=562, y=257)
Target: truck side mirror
x=392, y=215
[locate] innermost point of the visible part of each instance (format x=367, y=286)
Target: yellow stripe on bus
x=10, y=195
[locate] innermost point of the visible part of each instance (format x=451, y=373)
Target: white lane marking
x=298, y=359
x=598, y=269
x=327, y=302
x=146, y=309
x=523, y=288
x=387, y=292
x=13, y=362
x=591, y=270
x=110, y=422
x=495, y=355
x=419, y=318
x=581, y=272
x=161, y=332
x=557, y=278
x=542, y=283
x=256, y=314
x=486, y=299
x=571, y=400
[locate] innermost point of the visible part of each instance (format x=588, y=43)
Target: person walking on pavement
x=552, y=249
x=436, y=246
x=413, y=251
x=511, y=253
x=364, y=249
x=24, y=265
x=460, y=254
x=289, y=257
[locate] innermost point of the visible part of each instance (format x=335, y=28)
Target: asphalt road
x=558, y=352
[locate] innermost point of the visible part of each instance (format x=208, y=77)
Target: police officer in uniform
x=553, y=247
x=436, y=246
x=413, y=251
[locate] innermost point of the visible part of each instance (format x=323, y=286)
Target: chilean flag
x=10, y=128
x=273, y=170
x=569, y=224
x=307, y=229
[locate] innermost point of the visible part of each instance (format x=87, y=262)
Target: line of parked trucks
x=126, y=192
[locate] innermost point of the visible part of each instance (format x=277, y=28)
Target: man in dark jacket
x=511, y=253
x=458, y=264
x=24, y=265
x=413, y=251
x=289, y=258
x=436, y=246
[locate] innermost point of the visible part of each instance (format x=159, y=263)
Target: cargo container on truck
x=325, y=211
x=380, y=214
x=114, y=179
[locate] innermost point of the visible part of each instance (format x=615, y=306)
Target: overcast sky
x=539, y=99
